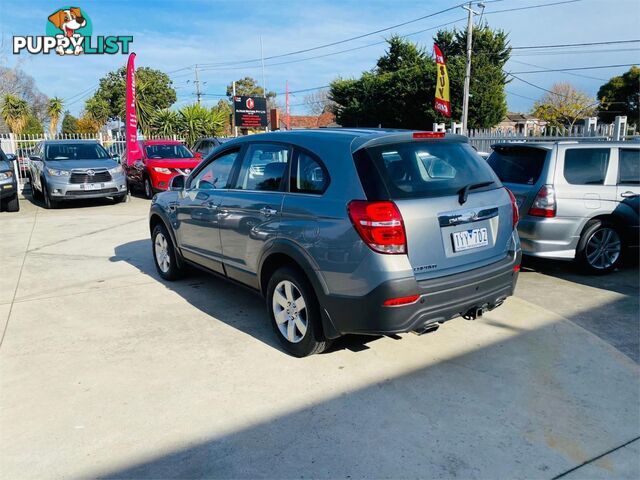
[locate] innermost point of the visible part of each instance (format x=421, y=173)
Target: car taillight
x=418, y=135
x=380, y=225
x=544, y=204
x=515, y=214
x=397, y=301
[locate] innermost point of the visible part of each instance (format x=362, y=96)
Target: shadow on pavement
x=531, y=405
x=211, y=294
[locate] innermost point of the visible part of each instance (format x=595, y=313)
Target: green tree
x=97, y=111
x=33, y=126
x=400, y=90
x=55, y=107
x=69, y=124
x=620, y=96
x=198, y=121
x=154, y=91
x=249, y=87
x=166, y=123
x=563, y=105
x=15, y=112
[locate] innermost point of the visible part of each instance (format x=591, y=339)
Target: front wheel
x=13, y=204
x=120, y=198
x=600, y=248
x=147, y=188
x=294, y=312
x=164, y=254
x=49, y=203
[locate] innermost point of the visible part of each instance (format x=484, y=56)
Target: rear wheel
x=294, y=312
x=600, y=248
x=164, y=254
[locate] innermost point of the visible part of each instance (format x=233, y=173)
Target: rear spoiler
x=404, y=137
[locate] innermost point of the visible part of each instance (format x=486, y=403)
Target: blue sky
x=170, y=35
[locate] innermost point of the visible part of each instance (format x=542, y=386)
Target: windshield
x=424, y=169
x=76, y=151
x=168, y=151
x=521, y=165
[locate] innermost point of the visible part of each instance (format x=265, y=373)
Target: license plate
x=92, y=186
x=469, y=239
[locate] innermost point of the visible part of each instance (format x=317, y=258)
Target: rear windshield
x=76, y=151
x=521, y=165
x=421, y=169
x=168, y=151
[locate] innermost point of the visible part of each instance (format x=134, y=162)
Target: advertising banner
x=442, y=103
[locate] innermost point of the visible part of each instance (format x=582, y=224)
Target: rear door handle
x=629, y=194
x=267, y=212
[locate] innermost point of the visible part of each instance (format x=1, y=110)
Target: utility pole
x=197, y=82
x=467, y=74
x=264, y=83
x=233, y=113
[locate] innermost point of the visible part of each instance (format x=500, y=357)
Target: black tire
x=35, y=193
x=120, y=199
x=173, y=270
x=49, y=203
x=147, y=187
x=312, y=340
x=12, y=204
x=604, y=259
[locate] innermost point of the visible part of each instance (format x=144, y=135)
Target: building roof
x=519, y=117
x=323, y=120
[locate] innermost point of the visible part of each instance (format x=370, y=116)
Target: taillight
x=515, y=214
x=380, y=225
x=397, y=301
x=428, y=135
x=544, y=204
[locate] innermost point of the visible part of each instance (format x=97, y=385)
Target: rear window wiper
x=463, y=194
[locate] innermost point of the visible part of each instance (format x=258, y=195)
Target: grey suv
x=345, y=231
x=8, y=184
x=75, y=169
x=578, y=200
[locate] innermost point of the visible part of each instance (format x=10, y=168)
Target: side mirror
x=197, y=155
x=11, y=157
x=35, y=158
x=177, y=182
x=116, y=157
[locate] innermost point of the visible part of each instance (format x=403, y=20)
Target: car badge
x=91, y=173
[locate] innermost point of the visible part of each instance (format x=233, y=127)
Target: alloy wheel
x=603, y=248
x=290, y=311
x=161, y=249
x=147, y=188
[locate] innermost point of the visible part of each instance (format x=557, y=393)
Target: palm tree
x=97, y=111
x=199, y=121
x=15, y=112
x=166, y=123
x=55, y=108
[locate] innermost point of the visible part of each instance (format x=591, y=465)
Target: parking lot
x=107, y=371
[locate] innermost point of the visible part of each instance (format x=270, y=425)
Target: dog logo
x=68, y=32
x=69, y=23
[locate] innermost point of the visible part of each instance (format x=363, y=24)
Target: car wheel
x=49, y=203
x=35, y=193
x=13, y=204
x=120, y=198
x=294, y=312
x=164, y=254
x=147, y=188
x=600, y=248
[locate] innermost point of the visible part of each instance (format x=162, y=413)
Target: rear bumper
x=555, y=238
x=440, y=300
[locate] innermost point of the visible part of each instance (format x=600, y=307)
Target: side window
x=263, y=168
x=586, y=166
x=216, y=174
x=308, y=175
x=629, y=166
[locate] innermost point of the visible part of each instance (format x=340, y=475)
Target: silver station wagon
x=343, y=231
x=577, y=200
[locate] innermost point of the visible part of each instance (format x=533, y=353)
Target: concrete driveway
x=106, y=371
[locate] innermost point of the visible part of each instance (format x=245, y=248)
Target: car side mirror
x=197, y=155
x=177, y=182
x=11, y=157
x=117, y=158
x=35, y=158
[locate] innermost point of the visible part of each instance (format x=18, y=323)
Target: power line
x=576, y=68
x=568, y=73
x=583, y=44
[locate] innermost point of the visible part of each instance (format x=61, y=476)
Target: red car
x=161, y=160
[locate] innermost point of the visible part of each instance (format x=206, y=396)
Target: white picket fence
x=22, y=146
